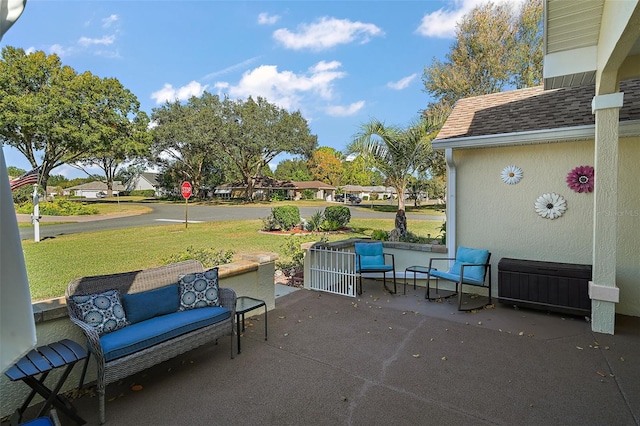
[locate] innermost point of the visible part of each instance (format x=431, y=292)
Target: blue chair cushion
x=465, y=256
x=142, y=335
x=151, y=303
x=371, y=257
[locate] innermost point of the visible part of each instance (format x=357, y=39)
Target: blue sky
x=340, y=63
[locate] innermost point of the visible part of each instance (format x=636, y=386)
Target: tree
x=258, y=132
x=326, y=165
x=47, y=109
x=214, y=137
x=183, y=141
x=356, y=172
x=293, y=169
x=495, y=47
x=396, y=152
x=120, y=129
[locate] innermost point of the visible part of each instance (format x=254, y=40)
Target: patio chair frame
x=383, y=271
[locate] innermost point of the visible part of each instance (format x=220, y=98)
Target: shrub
x=143, y=193
x=308, y=194
x=315, y=222
x=380, y=235
x=59, y=207
x=208, y=257
x=287, y=217
x=293, y=260
x=278, y=195
x=269, y=223
x=336, y=217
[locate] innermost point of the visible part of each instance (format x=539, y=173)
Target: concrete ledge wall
x=251, y=276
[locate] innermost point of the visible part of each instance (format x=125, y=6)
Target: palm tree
x=397, y=153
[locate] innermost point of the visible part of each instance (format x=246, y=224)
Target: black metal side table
x=245, y=304
x=439, y=294
x=65, y=353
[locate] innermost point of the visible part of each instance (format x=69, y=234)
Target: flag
x=26, y=179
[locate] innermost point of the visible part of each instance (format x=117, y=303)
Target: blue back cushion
x=466, y=255
x=151, y=303
x=370, y=254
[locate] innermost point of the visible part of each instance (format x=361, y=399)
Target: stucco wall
x=492, y=214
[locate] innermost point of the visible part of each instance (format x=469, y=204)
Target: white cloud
x=403, y=83
x=169, y=94
x=266, y=19
x=442, y=23
x=109, y=20
x=343, y=111
x=60, y=50
x=326, y=33
x=286, y=88
x=105, y=41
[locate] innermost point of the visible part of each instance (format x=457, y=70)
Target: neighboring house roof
x=96, y=186
x=271, y=183
x=152, y=178
x=313, y=184
x=530, y=110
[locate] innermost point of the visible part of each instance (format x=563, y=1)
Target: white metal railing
x=332, y=271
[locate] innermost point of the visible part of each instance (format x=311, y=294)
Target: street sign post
x=186, y=191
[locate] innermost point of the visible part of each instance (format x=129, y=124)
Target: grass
x=53, y=263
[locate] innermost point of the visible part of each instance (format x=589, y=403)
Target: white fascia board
x=575, y=61
x=577, y=133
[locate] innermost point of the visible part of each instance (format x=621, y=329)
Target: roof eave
x=566, y=134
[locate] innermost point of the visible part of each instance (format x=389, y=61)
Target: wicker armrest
x=93, y=338
x=227, y=297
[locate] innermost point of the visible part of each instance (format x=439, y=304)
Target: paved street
x=175, y=213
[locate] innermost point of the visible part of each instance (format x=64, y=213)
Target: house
x=505, y=151
x=95, y=189
x=264, y=187
x=378, y=192
x=144, y=182
x=321, y=190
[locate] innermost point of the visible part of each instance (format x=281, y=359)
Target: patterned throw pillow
x=103, y=311
x=198, y=289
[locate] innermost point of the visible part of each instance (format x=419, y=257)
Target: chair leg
x=101, y=398
x=395, y=289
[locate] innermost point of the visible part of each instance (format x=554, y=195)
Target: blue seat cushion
x=466, y=256
x=40, y=421
x=455, y=277
x=145, y=334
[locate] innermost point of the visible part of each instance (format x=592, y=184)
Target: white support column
x=451, y=202
x=602, y=289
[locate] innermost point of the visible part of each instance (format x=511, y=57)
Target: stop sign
x=186, y=190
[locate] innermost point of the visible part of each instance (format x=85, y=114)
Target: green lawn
x=53, y=263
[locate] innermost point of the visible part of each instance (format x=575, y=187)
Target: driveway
x=175, y=213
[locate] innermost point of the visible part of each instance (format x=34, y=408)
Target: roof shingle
x=531, y=109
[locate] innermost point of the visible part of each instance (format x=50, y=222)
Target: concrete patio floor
x=385, y=359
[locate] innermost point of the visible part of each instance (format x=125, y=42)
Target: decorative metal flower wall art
x=580, y=179
x=511, y=174
x=551, y=206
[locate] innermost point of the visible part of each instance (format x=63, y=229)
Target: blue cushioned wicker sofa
x=134, y=320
